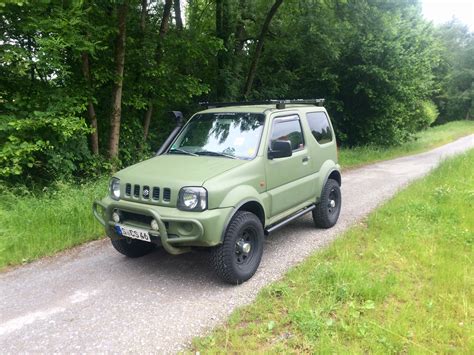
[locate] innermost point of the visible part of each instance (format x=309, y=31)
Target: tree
x=385, y=73
x=259, y=48
x=455, y=73
x=94, y=138
x=116, y=114
x=177, y=14
x=61, y=61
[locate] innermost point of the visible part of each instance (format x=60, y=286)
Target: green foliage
x=42, y=147
x=372, y=61
x=400, y=281
x=386, y=72
x=455, y=74
x=378, y=64
x=428, y=112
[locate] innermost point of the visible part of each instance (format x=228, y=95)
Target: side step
x=289, y=219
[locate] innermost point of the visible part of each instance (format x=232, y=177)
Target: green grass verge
x=402, y=281
x=38, y=225
x=426, y=140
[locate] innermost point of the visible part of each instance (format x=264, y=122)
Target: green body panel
x=291, y=181
x=280, y=186
x=183, y=228
x=173, y=172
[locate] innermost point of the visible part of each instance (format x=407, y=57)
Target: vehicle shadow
x=194, y=268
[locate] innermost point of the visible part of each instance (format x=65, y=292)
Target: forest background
x=86, y=86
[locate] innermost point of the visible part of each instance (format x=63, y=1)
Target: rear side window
x=320, y=127
x=288, y=129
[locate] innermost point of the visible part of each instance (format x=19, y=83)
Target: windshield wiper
x=182, y=151
x=216, y=154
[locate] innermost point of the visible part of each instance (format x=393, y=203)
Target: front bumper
x=177, y=229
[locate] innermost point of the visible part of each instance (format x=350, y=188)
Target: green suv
x=231, y=175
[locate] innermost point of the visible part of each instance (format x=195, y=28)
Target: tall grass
x=36, y=225
x=425, y=140
x=401, y=282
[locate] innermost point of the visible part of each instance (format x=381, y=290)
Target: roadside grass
x=425, y=140
x=401, y=281
x=34, y=226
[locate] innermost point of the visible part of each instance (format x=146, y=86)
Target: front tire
x=327, y=211
x=236, y=260
x=131, y=247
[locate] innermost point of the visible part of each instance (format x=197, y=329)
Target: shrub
x=41, y=147
x=428, y=113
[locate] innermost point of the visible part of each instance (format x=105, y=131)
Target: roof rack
x=280, y=104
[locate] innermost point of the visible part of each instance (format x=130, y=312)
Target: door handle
x=305, y=159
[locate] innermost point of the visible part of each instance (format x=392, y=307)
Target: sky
x=440, y=11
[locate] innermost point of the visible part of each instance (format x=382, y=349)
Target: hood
x=170, y=172
x=183, y=169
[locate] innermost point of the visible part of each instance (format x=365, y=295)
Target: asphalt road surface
x=92, y=299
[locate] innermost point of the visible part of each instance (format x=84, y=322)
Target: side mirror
x=280, y=149
x=178, y=116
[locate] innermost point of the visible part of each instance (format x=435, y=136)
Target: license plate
x=135, y=233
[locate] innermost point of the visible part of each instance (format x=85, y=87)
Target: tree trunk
x=94, y=137
x=164, y=26
x=143, y=15
x=258, y=50
x=222, y=24
x=117, y=90
x=146, y=122
x=147, y=115
x=240, y=32
x=177, y=14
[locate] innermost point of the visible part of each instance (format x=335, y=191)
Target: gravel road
x=91, y=299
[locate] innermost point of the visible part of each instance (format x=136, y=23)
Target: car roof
x=260, y=108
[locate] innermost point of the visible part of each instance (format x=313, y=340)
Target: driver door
x=285, y=176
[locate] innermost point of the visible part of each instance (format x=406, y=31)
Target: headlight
x=114, y=188
x=192, y=199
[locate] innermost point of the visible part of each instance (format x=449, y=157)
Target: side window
x=319, y=124
x=288, y=129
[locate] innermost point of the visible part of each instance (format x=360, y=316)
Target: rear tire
x=236, y=260
x=131, y=247
x=327, y=211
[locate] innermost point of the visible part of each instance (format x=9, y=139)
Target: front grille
x=147, y=193
x=156, y=193
x=135, y=217
x=166, y=194
x=138, y=219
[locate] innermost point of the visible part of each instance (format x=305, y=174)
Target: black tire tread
x=224, y=252
x=135, y=249
x=320, y=213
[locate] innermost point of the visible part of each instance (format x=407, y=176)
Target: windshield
x=229, y=134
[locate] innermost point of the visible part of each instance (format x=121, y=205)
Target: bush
x=428, y=113
x=42, y=147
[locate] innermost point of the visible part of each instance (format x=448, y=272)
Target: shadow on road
x=194, y=267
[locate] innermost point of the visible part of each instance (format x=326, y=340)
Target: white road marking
x=20, y=322
x=81, y=296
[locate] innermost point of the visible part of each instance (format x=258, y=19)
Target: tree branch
x=258, y=50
